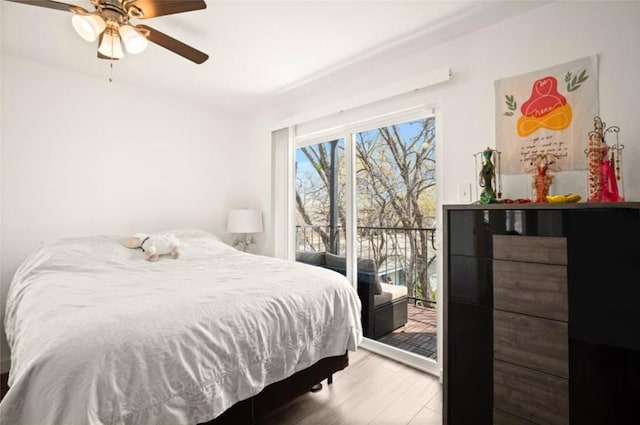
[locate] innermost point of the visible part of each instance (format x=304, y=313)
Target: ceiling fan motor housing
x=112, y=11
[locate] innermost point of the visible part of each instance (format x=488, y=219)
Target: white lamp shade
x=88, y=27
x=134, y=42
x=110, y=45
x=245, y=221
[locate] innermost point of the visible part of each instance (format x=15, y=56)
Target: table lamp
x=244, y=221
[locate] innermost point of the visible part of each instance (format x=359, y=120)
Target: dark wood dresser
x=542, y=314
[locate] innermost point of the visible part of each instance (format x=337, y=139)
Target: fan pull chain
x=111, y=63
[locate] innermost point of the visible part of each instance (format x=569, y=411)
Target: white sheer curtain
x=282, y=200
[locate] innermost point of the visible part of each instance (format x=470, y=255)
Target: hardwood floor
x=372, y=390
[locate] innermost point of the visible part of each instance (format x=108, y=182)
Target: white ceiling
x=257, y=48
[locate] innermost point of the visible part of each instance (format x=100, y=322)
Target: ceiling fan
x=110, y=24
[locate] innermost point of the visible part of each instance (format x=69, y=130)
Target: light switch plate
x=464, y=193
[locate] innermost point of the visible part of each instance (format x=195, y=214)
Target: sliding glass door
x=365, y=197
x=319, y=199
x=396, y=206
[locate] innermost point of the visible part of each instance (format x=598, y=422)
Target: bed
x=100, y=336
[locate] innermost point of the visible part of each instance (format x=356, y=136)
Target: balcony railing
x=404, y=256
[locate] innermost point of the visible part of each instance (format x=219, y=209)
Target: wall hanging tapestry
x=549, y=111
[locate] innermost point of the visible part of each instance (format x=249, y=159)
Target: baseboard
x=410, y=359
x=5, y=365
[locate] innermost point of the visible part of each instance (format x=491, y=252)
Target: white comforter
x=98, y=335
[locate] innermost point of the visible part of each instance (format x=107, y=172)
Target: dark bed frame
x=278, y=394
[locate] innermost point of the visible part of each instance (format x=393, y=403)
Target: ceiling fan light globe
x=134, y=42
x=110, y=46
x=88, y=27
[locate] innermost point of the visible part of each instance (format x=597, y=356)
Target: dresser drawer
x=534, y=396
x=470, y=280
x=536, y=343
x=470, y=326
x=504, y=418
x=532, y=249
x=466, y=410
x=531, y=288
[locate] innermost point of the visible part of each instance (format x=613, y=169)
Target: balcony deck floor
x=419, y=335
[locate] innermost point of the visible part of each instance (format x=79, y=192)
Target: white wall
x=546, y=36
x=82, y=156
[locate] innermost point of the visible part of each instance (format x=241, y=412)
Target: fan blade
x=174, y=45
x=153, y=8
x=52, y=5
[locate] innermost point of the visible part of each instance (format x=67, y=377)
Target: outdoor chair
x=384, y=305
